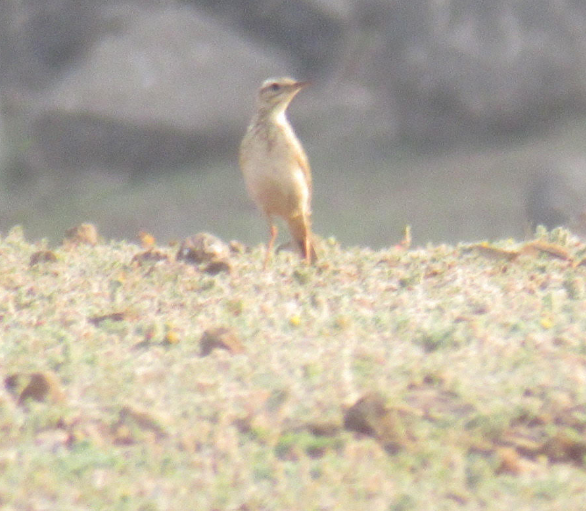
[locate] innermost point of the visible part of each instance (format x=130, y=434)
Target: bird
x=275, y=167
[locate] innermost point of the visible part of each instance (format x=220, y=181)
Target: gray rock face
x=39, y=40
x=474, y=67
x=312, y=32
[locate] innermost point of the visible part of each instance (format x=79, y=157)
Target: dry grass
x=476, y=361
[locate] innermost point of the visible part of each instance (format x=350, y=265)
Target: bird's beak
x=300, y=85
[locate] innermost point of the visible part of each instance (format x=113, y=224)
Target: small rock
x=371, y=416
x=113, y=316
x=150, y=255
x=220, y=337
x=42, y=386
x=563, y=447
x=216, y=267
x=365, y=415
x=203, y=248
x=42, y=256
x=143, y=418
x=324, y=427
x=237, y=248
x=82, y=234
x=509, y=461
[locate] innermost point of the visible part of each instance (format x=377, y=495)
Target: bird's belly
x=279, y=188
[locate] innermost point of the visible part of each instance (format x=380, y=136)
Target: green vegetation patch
x=373, y=380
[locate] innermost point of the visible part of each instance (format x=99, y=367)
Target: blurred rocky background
x=464, y=118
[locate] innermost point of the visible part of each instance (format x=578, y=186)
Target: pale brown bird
x=275, y=166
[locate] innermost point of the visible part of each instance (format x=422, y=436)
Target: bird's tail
x=300, y=228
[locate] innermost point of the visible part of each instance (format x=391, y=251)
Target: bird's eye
x=275, y=86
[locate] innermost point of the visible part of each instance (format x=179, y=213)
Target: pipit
x=275, y=166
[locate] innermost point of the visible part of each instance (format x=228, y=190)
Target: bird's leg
x=273, y=232
x=307, y=248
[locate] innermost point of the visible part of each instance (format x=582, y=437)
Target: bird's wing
x=303, y=162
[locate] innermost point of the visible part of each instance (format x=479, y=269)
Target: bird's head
x=275, y=94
